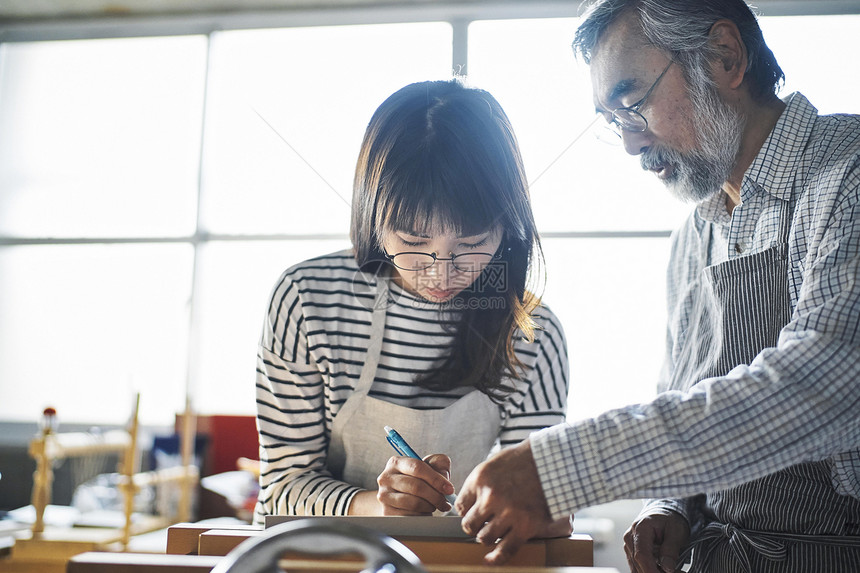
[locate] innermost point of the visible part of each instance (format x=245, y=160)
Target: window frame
x=459, y=16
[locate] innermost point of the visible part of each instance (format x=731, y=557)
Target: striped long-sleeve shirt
x=796, y=402
x=310, y=356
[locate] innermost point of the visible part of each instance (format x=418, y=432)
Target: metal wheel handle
x=260, y=554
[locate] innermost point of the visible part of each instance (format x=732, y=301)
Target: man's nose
x=635, y=142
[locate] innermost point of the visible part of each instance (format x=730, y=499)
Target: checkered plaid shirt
x=796, y=402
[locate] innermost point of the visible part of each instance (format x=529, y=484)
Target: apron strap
x=771, y=545
x=705, y=247
x=377, y=330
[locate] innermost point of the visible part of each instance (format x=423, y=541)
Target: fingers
x=412, y=487
x=501, y=531
x=442, y=464
x=562, y=527
x=504, y=550
x=472, y=503
x=465, y=501
x=653, y=543
x=675, y=538
x=473, y=521
x=474, y=514
x=423, y=470
x=492, y=531
x=667, y=563
x=507, y=534
x=506, y=529
x=639, y=548
x=628, y=550
x=502, y=502
x=644, y=552
x=669, y=554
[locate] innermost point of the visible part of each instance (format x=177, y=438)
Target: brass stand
x=48, y=549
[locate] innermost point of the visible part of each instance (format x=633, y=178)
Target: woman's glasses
x=464, y=262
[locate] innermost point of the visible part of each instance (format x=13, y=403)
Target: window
x=99, y=147
x=283, y=129
x=152, y=189
x=100, y=138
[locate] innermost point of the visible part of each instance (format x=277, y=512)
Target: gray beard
x=700, y=173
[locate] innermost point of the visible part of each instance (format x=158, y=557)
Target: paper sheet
x=418, y=526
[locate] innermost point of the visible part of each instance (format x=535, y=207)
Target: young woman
x=425, y=325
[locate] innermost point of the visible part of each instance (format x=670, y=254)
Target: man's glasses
x=465, y=262
x=629, y=118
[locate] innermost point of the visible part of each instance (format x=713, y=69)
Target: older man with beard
x=754, y=440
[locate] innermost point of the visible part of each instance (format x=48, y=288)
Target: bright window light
x=100, y=138
x=821, y=76
x=287, y=113
x=85, y=327
x=237, y=279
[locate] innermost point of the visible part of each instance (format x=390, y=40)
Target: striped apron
x=792, y=520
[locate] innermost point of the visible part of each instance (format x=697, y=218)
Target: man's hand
x=653, y=543
x=502, y=503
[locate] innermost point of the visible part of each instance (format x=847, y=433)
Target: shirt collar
x=773, y=168
x=713, y=209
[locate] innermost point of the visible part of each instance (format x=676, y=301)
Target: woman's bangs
x=431, y=202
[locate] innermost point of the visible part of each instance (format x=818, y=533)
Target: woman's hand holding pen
x=409, y=486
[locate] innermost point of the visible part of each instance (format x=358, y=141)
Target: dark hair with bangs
x=439, y=155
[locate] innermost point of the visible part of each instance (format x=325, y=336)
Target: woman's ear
x=730, y=66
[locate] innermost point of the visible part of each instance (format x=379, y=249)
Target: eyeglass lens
x=629, y=118
x=466, y=262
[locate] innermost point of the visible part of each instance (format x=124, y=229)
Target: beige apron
x=358, y=450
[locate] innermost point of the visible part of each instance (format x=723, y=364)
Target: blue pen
x=402, y=448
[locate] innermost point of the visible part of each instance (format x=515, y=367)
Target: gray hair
x=681, y=28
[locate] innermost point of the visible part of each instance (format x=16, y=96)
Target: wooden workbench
x=152, y=563
x=197, y=548
x=575, y=550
